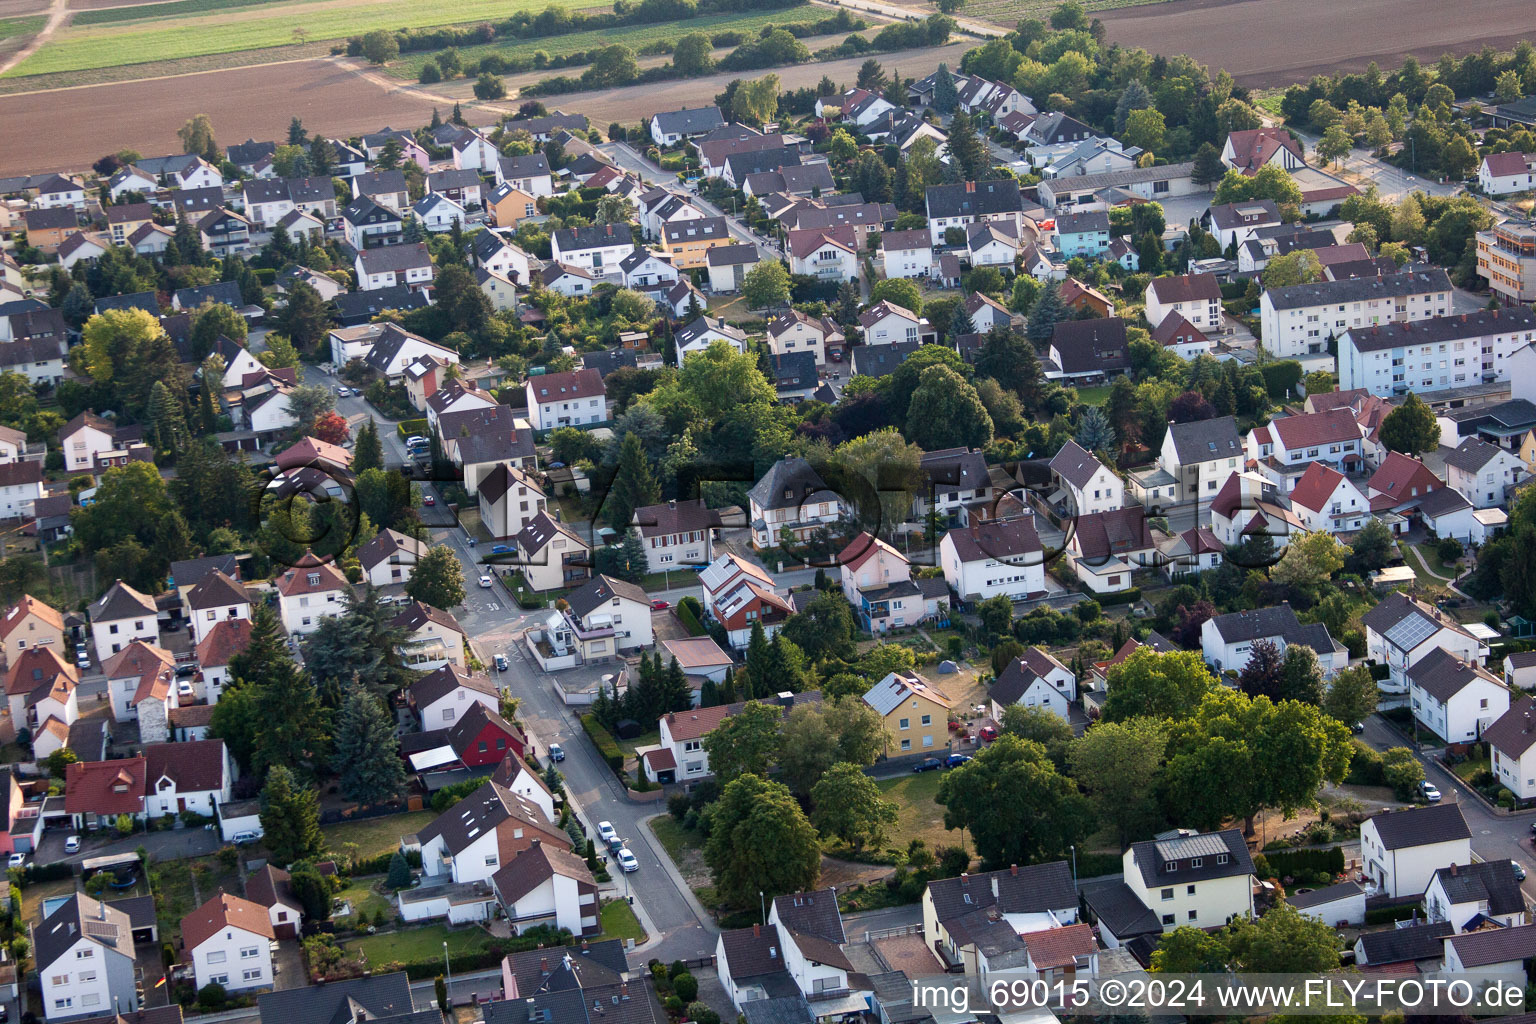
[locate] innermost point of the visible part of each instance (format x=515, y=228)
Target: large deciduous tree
x=1117, y=765
x=437, y=578
x=747, y=743
x=1157, y=685
x=1018, y=808
x=760, y=841
x=847, y=805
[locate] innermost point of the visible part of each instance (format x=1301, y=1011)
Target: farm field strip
x=250, y=28
x=634, y=36
x=11, y=28
x=1007, y=13
x=152, y=11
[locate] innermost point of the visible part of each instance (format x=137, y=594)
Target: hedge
x=1123, y=597
x=409, y=427
x=605, y=743
x=51, y=872
x=690, y=620
x=1305, y=862
x=1383, y=915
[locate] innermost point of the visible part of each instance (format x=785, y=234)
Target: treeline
x=775, y=46
x=556, y=21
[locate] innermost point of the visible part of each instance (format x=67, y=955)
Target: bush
x=689, y=618
x=686, y=987
x=399, y=871
x=1449, y=549
x=430, y=74
x=1124, y=597
x=1298, y=863
x=408, y=428
x=678, y=805
x=603, y=740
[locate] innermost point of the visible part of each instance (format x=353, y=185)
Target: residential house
x=494, y=253
x=378, y=997
x=1286, y=447
x=528, y=174
x=547, y=886
x=688, y=242
x=599, y=249
x=826, y=253
x=1475, y=894
x=129, y=178
x=310, y=591
x=81, y=248
x=1325, y=499
x=441, y=697
x=729, y=264
x=1401, y=630
x=682, y=734
x=1106, y=548
x=740, y=595
x=388, y=266
x=1084, y=233
x=433, y=638
x=551, y=555
x=84, y=956
x=1510, y=742
x=1506, y=256
x=452, y=396
x=229, y=940
x=1403, y=849
x=224, y=641
x=272, y=889
x=1034, y=680
x=1251, y=149
x=438, y=213
x=957, y=486
x=671, y=127
x=1092, y=486
x=1200, y=880
x=47, y=228
x=479, y=739
x=790, y=496
x=572, y=398
x=877, y=580
x=58, y=191
x=1249, y=504
x=215, y=598
x=1502, y=952
x=507, y=205
x=1235, y=223
x=1200, y=456
x=473, y=152
x=992, y=557
x=119, y=617
x=643, y=269
x=572, y=282
x=907, y=253
x=966, y=203
x=510, y=498
x=1088, y=350
x=369, y=225
x=1400, y=483
x=1453, y=698
x=29, y=623
x=703, y=331
x=915, y=714
x=1434, y=354
x=701, y=660
x=1158, y=182
x=799, y=949
x=1483, y=473
x=1414, y=948
x=141, y=682
x=1298, y=321
x=1227, y=640
x=1520, y=670
x=793, y=331
x=387, y=188
x=603, y=619
x=1181, y=337
x=800, y=181
x=976, y=918
x=21, y=487
x=96, y=793
x=1195, y=297
x=196, y=776
x=269, y=200
x=394, y=349
x=224, y=232
x=886, y=323
x=677, y=534
x=1502, y=174
x=987, y=313
x=1191, y=552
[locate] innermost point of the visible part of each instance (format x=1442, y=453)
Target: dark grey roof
x=363, y=210
x=298, y=190
x=1443, y=675
x=1421, y=826
x=787, y=483
x=387, y=995
x=1399, y=945
x=1323, y=896
x=1471, y=455
x=1489, y=881
x=601, y=590
x=596, y=236
x=1495, y=946
x=795, y=371
x=1119, y=909
x=55, y=934
x=693, y=121
x=1056, y=126
x=137, y=300
x=1206, y=440
x=548, y=123
x=354, y=308
x=1165, y=861
x=970, y=199
x=697, y=227
x=1359, y=289
x=1088, y=345
x=811, y=913
x=1442, y=501
x=778, y=1010
x=396, y=258
x=545, y=970
x=532, y=165
x=249, y=152
x=376, y=183
x=453, y=177
x=1514, y=732
x=996, y=538
x=607, y=360
x=1443, y=328
x=1227, y=216
x=1079, y=223
x=227, y=292
x=120, y=602
x=1020, y=890
x=741, y=165
x=752, y=952
x=389, y=344
x=879, y=360
x=56, y=217
x=1075, y=464
x=1268, y=623
x=732, y=255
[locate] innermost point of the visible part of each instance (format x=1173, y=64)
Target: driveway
x=172, y=844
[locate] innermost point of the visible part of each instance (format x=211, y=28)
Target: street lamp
x=763, y=903
x=447, y=976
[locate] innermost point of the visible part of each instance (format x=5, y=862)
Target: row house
x=877, y=580
x=678, y=534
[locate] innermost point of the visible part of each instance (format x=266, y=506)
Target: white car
x=18, y=860
x=627, y=860
x=184, y=688
x=72, y=844
x=1429, y=792
x=605, y=831
x=485, y=580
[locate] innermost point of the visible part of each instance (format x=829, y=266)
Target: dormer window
x=1221, y=858
x=1171, y=866
x=314, y=579
x=1196, y=862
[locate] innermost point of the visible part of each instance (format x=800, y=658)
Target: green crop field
x=171, y=9
x=1009, y=12
x=13, y=27
x=255, y=27
x=633, y=36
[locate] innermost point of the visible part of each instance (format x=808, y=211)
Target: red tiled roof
x=1252, y=149
x=35, y=666
x=195, y=766
x=105, y=787
x=1316, y=486
x=224, y=911
x=227, y=638
x=556, y=387
x=861, y=549
x=1176, y=330
x=804, y=241
x=1503, y=164
x=297, y=580
x=29, y=605
x=1317, y=428
x=1059, y=947
x=152, y=666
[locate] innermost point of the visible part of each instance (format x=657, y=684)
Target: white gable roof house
x=1455, y=699
x=1034, y=679
x=799, y=949
x=1092, y=486
x=984, y=920
x=1400, y=631
x=1403, y=849
x=84, y=952
x=1227, y=640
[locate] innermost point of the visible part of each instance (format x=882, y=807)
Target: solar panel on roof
x=1191, y=846
x=1412, y=631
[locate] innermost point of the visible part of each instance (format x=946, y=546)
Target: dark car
x=928, y=764
x=955, y=760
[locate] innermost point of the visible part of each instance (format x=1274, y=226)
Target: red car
x=428, y=500
x=989, y=733
x=660, y=606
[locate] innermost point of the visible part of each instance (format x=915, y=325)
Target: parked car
x=989, y=733
x=485, y=580
x=928, y=764
x=245, y=838
x=605, y=831
x=955, y=760
x=556, y=752
x=18, y=860
x=660, y=606
x=500, y=549
x=82, y=659
x=428, y=500
x=1519, y=870
x=627, y=860
x=501, y=662
x=1428, y=791
x=417, y=441
x=184, y=688
x=72, y=844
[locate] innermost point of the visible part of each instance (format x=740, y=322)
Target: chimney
x=1013, y=869
x=970, y=186
x=757, y=931
x=1453, y=869
x=543, y=965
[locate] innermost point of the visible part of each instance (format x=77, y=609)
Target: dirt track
x=1267, y=43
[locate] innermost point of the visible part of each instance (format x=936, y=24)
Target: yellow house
x=1527, y=450
x=916, y=715
x=688, y=241
x=508, y=205
x=30, y=623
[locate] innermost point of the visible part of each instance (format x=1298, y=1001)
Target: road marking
x=494, y=608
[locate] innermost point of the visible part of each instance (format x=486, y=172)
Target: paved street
x=629, y=160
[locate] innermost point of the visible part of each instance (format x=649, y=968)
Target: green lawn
x=231, y=31
x=374, y=836
x=634, y=36
x=365, y=901
x=1094, y=395
x=170, y=9
x=172, y=881
x=620, y=922
x=920, y=817
x=678, y=841
x=416, y=944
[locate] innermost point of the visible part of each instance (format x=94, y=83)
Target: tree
x=1048, y=311
x=1117, y=765
x=290, y=818
x=399, y=876
x=766, y=285
x=305, y=320
x=1300, y=266
x=847, y=805
x=1017, y=807
x=1146, y=129
x=308, y=402
x=1041, y=725
x=1270, y=182
x=691, y=56
x=1190, y=950
x=945, y=412
x=1352, y=695
x=1284, y=941
x=437, y=579
x=1310, y=559
x=824, y=628
x=293, y=728
x=841, y=146
x=368, y=451
x=1334, y=145
x=197, y=137
x=297, y=136
x=807, y=748
x=330, y=428
x=872, y=76
x=280, y=354
x=489, y=87
x=1094, y=433
x=59, y=761
x=211, y=321
x=1260, y=677
x=996, y=614
x=634, y=485
x=898, y=291
x=312, y=891
x=760, y=841
x=367, y=751
x=1507, y=88
x=166, y=419
x=1157, y=685
x=745, y=743
x=1301, y=677
x=945, y=96
x=966, y=148
x=1458, y=158
x=380, y=46
x=465, y=306
x=1411, y=428
x=756, y=102
x=1136, y=97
